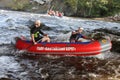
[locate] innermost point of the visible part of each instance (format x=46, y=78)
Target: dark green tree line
x=94, y=8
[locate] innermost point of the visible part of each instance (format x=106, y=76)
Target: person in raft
x=37, y=35
x=77, y=36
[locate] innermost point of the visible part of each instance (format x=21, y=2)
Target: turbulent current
x=16, y=65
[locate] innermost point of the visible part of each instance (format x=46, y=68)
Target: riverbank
x=110, y=18
x=68, y=7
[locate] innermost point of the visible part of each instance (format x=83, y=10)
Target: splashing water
x=16, y=65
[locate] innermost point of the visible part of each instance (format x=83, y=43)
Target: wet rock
x=113, y=18
x=5, y=79
x=114, y=35
x=116, y=46
x=113, y=31
x=40, y=1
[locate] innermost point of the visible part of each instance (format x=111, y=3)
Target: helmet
x=81, y=28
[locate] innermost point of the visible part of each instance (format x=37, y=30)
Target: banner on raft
x=56, y=48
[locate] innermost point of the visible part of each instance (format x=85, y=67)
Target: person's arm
x=41, y=32
x=32, y=35
x=87, y=38
x=80, y=36
x=84, y=36
x=33, y=39
x=43, y=27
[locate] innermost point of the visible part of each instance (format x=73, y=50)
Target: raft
x=65, y=48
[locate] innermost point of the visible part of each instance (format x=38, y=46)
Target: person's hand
x=35, y=43
x=92, y=39
x=79, y=40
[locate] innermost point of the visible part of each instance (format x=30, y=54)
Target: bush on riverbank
x=19, y=4
x=94, y=8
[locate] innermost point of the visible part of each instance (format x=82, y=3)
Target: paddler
x=37, y=35
x=77, y=36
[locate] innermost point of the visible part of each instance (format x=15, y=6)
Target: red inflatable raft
x=65, y=48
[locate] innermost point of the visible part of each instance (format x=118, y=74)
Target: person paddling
x=37, y=35
x=77, y=36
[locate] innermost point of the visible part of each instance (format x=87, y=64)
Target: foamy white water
x=14, y=23
x=6, y=64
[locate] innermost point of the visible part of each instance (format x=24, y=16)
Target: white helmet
x=81, y=28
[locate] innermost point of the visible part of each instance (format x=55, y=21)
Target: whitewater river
x=15, y=65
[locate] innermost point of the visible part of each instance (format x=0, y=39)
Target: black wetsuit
x=73, y=37
x=38, y=34
x=76, y=37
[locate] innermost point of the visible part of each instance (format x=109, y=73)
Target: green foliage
x=20, y=4
x=71, y=4
x=94, y=8
x=82, y=8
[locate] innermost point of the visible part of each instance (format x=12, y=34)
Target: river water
x=15, y=65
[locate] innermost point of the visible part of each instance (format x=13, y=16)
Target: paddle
x=25, y=50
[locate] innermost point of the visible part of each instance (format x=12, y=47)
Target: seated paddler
x=77, y=36
x=37, y=35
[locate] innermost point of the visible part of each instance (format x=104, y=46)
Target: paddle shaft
x=32, y=45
